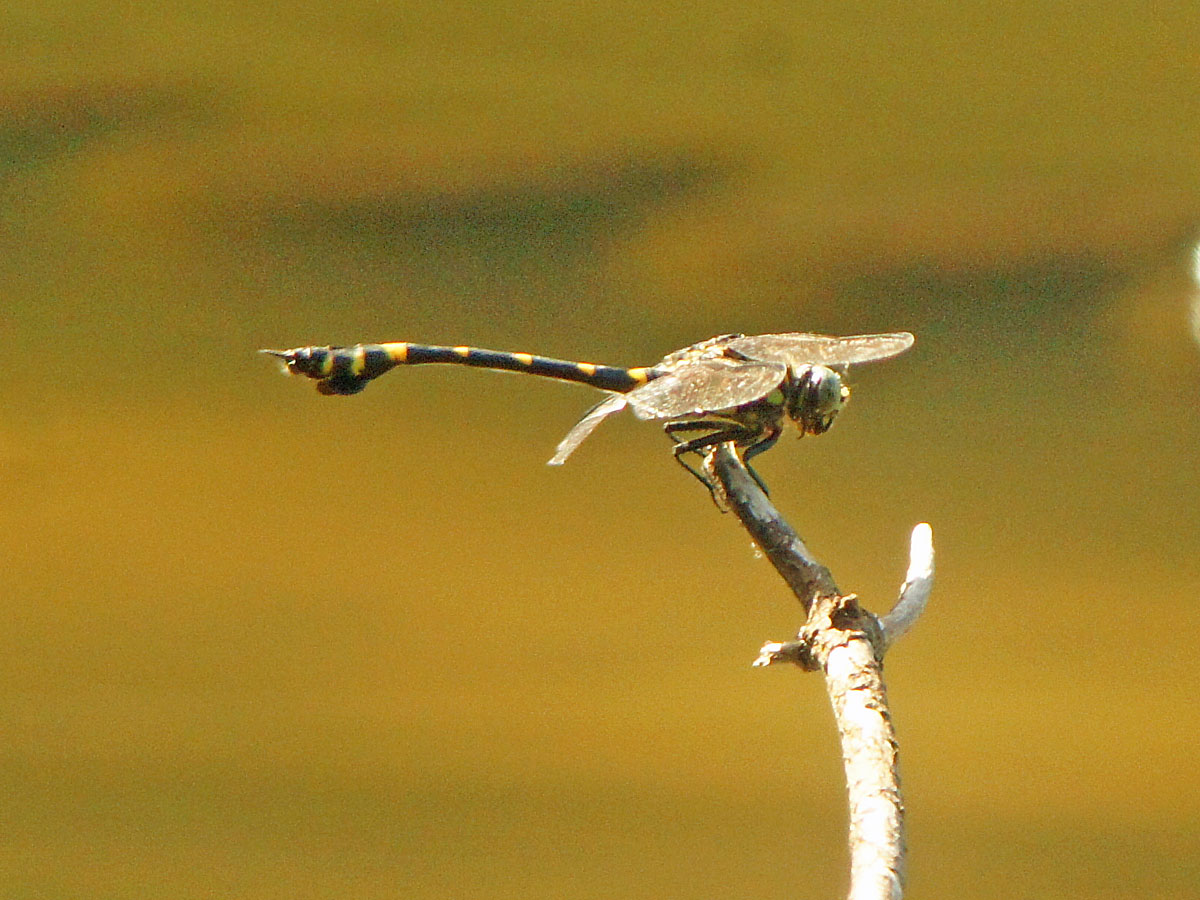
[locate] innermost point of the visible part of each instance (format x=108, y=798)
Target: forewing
x=799, y=349
x=705, y=386
x=585, y=426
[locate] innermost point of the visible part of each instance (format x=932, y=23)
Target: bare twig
x=914, y=593
x=847, y=643
x=783, y=547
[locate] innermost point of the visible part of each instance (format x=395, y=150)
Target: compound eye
x=820, y=397
x=828, y=393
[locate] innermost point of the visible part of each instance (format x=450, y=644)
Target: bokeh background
x=257, y=643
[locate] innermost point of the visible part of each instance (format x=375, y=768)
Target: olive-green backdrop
x=258, y=643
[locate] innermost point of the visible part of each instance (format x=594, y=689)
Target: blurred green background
x=258, y=643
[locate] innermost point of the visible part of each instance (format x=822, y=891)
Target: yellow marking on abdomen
x=525, y=359
x=397, y=351
x=586, y=368
x=640, y=375
x=464, y=352
x=327, y=364
x=359, y=363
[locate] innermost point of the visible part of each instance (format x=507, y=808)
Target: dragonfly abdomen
x=346, y=370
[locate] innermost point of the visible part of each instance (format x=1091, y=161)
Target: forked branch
x=847, y=643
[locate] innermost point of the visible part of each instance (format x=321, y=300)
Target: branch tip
x=914, y=593
x=920, y=553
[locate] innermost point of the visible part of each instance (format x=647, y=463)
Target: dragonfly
x=737, y=388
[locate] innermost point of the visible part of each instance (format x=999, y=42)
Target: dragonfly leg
x=712, y=425
x=717, y=431
x=766, y=442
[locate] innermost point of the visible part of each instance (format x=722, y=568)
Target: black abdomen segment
x=346, y=370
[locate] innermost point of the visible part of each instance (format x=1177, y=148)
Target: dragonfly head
x=815, y=396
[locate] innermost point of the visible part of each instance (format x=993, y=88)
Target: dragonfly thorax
x=814, y=395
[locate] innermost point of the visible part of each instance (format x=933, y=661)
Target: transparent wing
x=704, y=386
x=798, y=349
x=585, y=426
